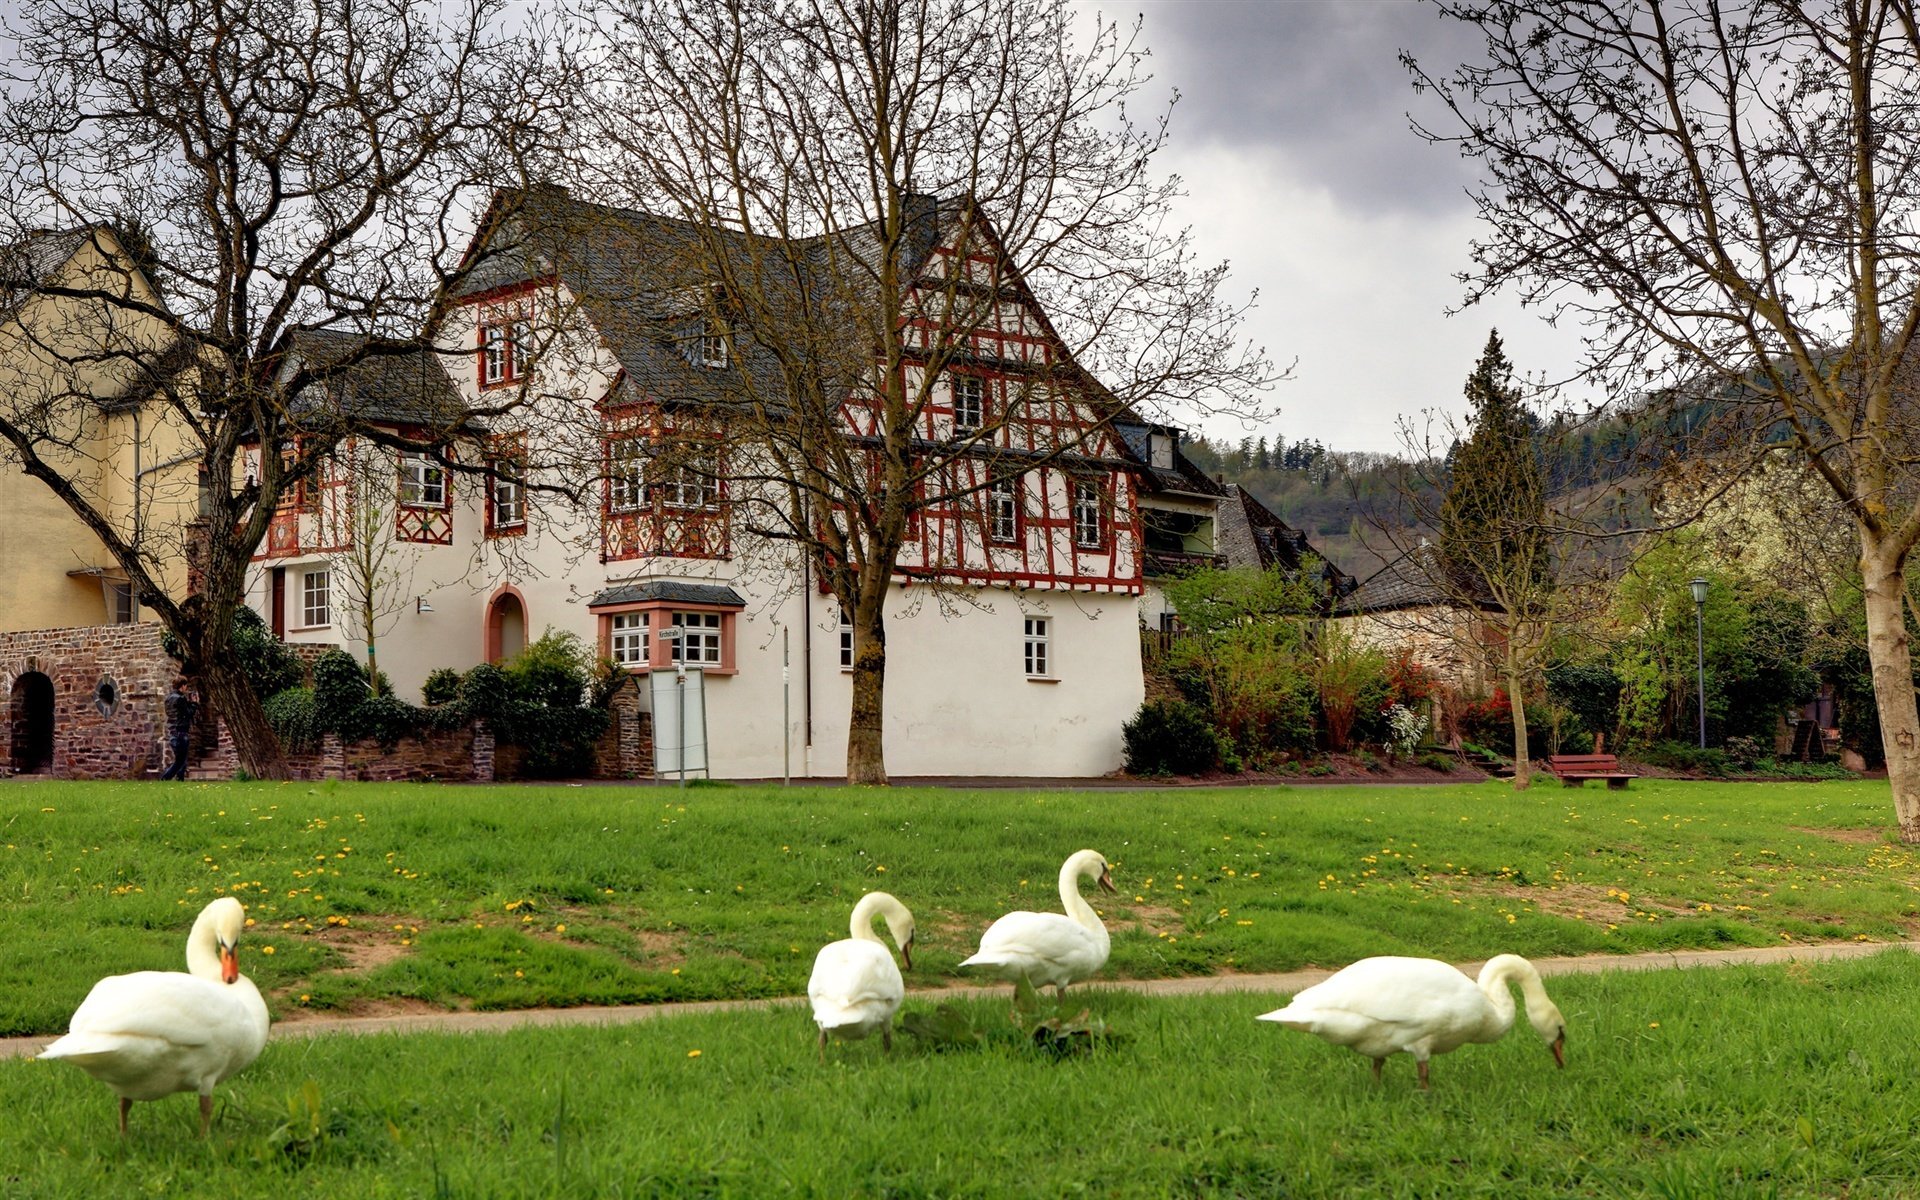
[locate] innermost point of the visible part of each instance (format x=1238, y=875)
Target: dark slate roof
x=1249, y=534
x=1184, y=477
x=673, y=591
x=1414, y=580
x=409, y=387
x=639, y=278
x=32, y=262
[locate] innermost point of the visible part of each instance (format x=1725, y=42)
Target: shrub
x=484, y=692
x=270, y=668
x=551, y=672
x=295, y=719
x=339, y=687
x=1747, y=751
x=1489, y=723
x=1169, y=737
x=441, y=688
x=386, y=719
x=1346, y=675
x=1679, y=756
x=1435, y=762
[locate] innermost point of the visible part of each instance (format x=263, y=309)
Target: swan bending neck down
x=855, y=988
x=1049, y=948
x=153, y=1033
x=1422, y=1007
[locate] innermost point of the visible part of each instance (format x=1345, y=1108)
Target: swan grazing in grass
x=855, y=987
x=1048, y=948
x=153, y=1033
x=1418, y=1006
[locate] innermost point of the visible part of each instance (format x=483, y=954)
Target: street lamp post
x=1699, y=587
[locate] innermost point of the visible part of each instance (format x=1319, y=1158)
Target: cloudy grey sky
x=1292, y=135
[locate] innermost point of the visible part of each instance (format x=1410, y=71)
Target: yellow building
x=81, y=379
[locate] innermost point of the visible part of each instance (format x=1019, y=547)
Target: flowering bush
x=1405, y=728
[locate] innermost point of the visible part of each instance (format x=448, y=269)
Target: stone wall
x=448, y=756
x=109, y=689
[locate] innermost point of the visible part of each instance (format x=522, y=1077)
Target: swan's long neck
x=870, y=906
x=1070, y=898
x=1500, y=971
x=203, y=949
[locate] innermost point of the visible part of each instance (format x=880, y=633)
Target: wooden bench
x=1575, y=769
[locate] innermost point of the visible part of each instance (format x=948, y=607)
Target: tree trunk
x=1883, y=570
x=233, y=700
x=1517, y=705
x=866, y=759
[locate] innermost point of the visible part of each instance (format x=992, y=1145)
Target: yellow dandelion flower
x=559, y=928
x=266, y=949
x=693, y=1054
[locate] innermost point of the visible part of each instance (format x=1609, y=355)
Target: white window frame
x=691, y=484
x=702, y=641
x=969, y=402
x=1003, y=509
x=846, y=640
x=627, y=460
x=630, y=638
x=423, y=482
x=1088, y=528
x=316, y=599
x=501, y=345
x=713, y=342
x=509, y=493
x=1037, y=646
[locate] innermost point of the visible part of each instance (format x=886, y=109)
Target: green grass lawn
x=1780, y=1081
x=376, y=895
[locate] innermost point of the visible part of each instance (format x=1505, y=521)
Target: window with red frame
x=503, y=344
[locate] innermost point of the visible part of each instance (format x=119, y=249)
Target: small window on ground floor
x=699, y=643
x=316, y=603
x=1039, y=647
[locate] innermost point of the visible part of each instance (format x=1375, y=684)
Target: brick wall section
x=91, y=740
x=450, y=756
x=625, y=751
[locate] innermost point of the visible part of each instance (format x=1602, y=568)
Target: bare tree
x=249, y=170
x=1727, y=193
x=931, y=242
x=373, y=571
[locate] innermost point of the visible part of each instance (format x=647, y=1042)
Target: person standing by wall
x=182, y=708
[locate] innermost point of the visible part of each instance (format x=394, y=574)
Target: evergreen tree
x=1260, y=460
x=1495, y=544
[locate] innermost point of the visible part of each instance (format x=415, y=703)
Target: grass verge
x=1781, y=1081
x=371, y=897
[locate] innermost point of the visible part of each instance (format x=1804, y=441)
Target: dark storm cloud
x=1316, y=84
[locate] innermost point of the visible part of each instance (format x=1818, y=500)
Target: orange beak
x=229, y=965
x=1558, y=1046
x=906, y=953
x=1106, y=881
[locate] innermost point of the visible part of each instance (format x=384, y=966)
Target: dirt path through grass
x=1286, y=982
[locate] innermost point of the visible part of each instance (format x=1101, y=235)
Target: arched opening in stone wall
x=506, y=626
x=32, y=723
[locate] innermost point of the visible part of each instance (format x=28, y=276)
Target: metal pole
x=786, y=707
x=1700, y=663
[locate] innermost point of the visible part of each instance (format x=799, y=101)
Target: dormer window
x=713, y=341
x=1160, y=451
x=969, y=403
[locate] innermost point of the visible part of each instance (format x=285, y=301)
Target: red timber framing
x=422, y=512
x=299, y=525
x=663, y=492
x=1012, y=347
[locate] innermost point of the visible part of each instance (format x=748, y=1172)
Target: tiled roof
x=1414, y=580
x=1251, y=535
x=639, y=279
x=672, y=591
x=406, y=388
x=31, y=262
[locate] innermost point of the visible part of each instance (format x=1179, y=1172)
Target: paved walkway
x=1197, y=985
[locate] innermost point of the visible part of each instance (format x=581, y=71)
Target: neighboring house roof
x=409, y=387
x=673, y=591
x=1249, y=534
x=32, y=262
x=1413, y=580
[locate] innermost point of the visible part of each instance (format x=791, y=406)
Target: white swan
x=1049, y=948
x=855, y=988
x=153, y=1033
x=1422, y=1007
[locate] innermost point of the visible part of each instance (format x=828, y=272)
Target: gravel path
x=1199, y=985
